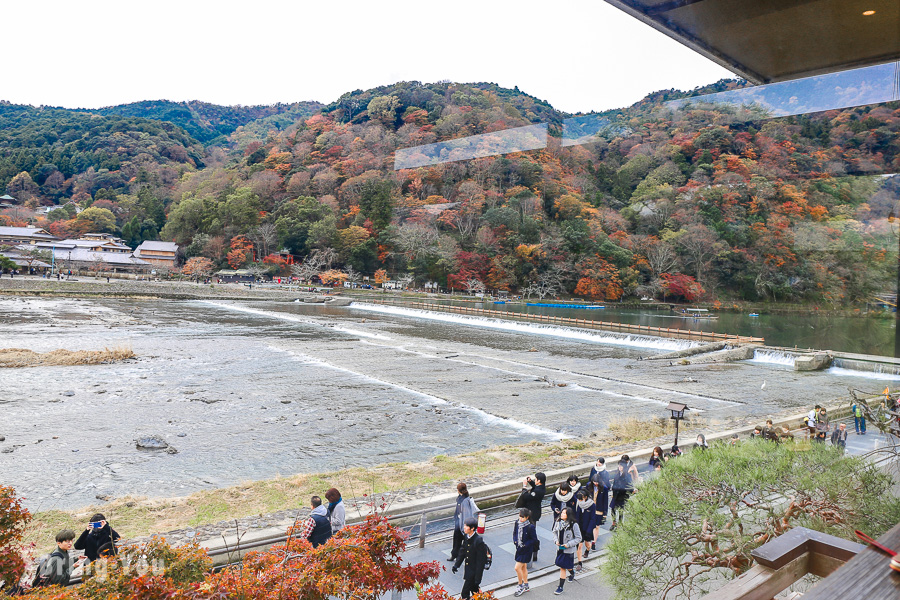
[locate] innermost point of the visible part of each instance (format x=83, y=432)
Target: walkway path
x=544, y=576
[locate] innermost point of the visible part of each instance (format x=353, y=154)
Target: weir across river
x=668, y=332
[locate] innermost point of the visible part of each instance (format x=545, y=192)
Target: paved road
x=544, y=577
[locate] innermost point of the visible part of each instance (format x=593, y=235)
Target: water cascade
x=773, y=357
x=598, y=337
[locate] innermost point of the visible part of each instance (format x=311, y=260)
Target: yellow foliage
x=352, y=237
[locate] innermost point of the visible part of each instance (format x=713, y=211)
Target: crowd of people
x=578, y=509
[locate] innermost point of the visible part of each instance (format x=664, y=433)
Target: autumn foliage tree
x=198, y=266
x=241, y=252
x=680, y=286
x=278, y=262
x=333, y=276
x=361, y=562
x=14, y=517
x=599, y=280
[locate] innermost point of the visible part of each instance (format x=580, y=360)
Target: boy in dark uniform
x=474, y=554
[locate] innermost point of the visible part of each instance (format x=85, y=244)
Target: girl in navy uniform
x=568, y=536
x=561, y=499
x=525, y=539
x=587, y=519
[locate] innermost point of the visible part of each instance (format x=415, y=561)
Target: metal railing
x=421, y=516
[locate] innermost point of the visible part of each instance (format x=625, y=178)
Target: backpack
x=488, y=556
x=39, y=581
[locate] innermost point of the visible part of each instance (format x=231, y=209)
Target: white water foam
x=773, y=357
x=487, y=417
x=863, y=374
x=633, y=341
x=294, y=319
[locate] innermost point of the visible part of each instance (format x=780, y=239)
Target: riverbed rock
x=812, y=362
x=206, y=400
x=182, y=434
x=2, y=438
x=151, y=442
x=171, y=450
x=68, y=393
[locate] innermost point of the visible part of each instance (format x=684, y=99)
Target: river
x=251, y=390
x=861, y=335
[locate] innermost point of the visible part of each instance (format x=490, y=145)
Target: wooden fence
x=669, y=332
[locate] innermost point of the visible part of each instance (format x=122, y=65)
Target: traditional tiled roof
x=157, y=247
x=87, y=255
x=30, y=232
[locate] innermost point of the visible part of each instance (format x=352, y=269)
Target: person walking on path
x=822, y=425
x=473, y=553
x=810, y=421
x=316, y=528
x=859, y=418
x=534, y=489
x=525, y=540
x=466, y=509
x=98, y=539
x=562, y=498
x=57, y=569
x=568, y=536
x=586, y=517
x=657, y=459
x=622, y=487
x=600, y=480
x=337, y=513
x=839, y=437
x=701, y=442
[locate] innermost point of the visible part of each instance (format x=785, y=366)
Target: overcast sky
x=578, y=55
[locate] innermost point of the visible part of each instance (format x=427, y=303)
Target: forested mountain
x=205, y=122
x=49, y=154
x=713, y=202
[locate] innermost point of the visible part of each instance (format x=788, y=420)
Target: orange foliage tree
x=282, y=266
x=681, y=286
x=361, y=562
x=380, y=276
x=13, y=519
x=198, y=266
x=599, y=280
x=241, y=252
x=333, y=276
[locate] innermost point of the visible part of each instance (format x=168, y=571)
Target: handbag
x=520, y=501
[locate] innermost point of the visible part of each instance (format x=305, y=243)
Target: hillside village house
x=13, y=236
x=93, y=251
x=160, y=254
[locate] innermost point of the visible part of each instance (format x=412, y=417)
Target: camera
x=96, y=524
